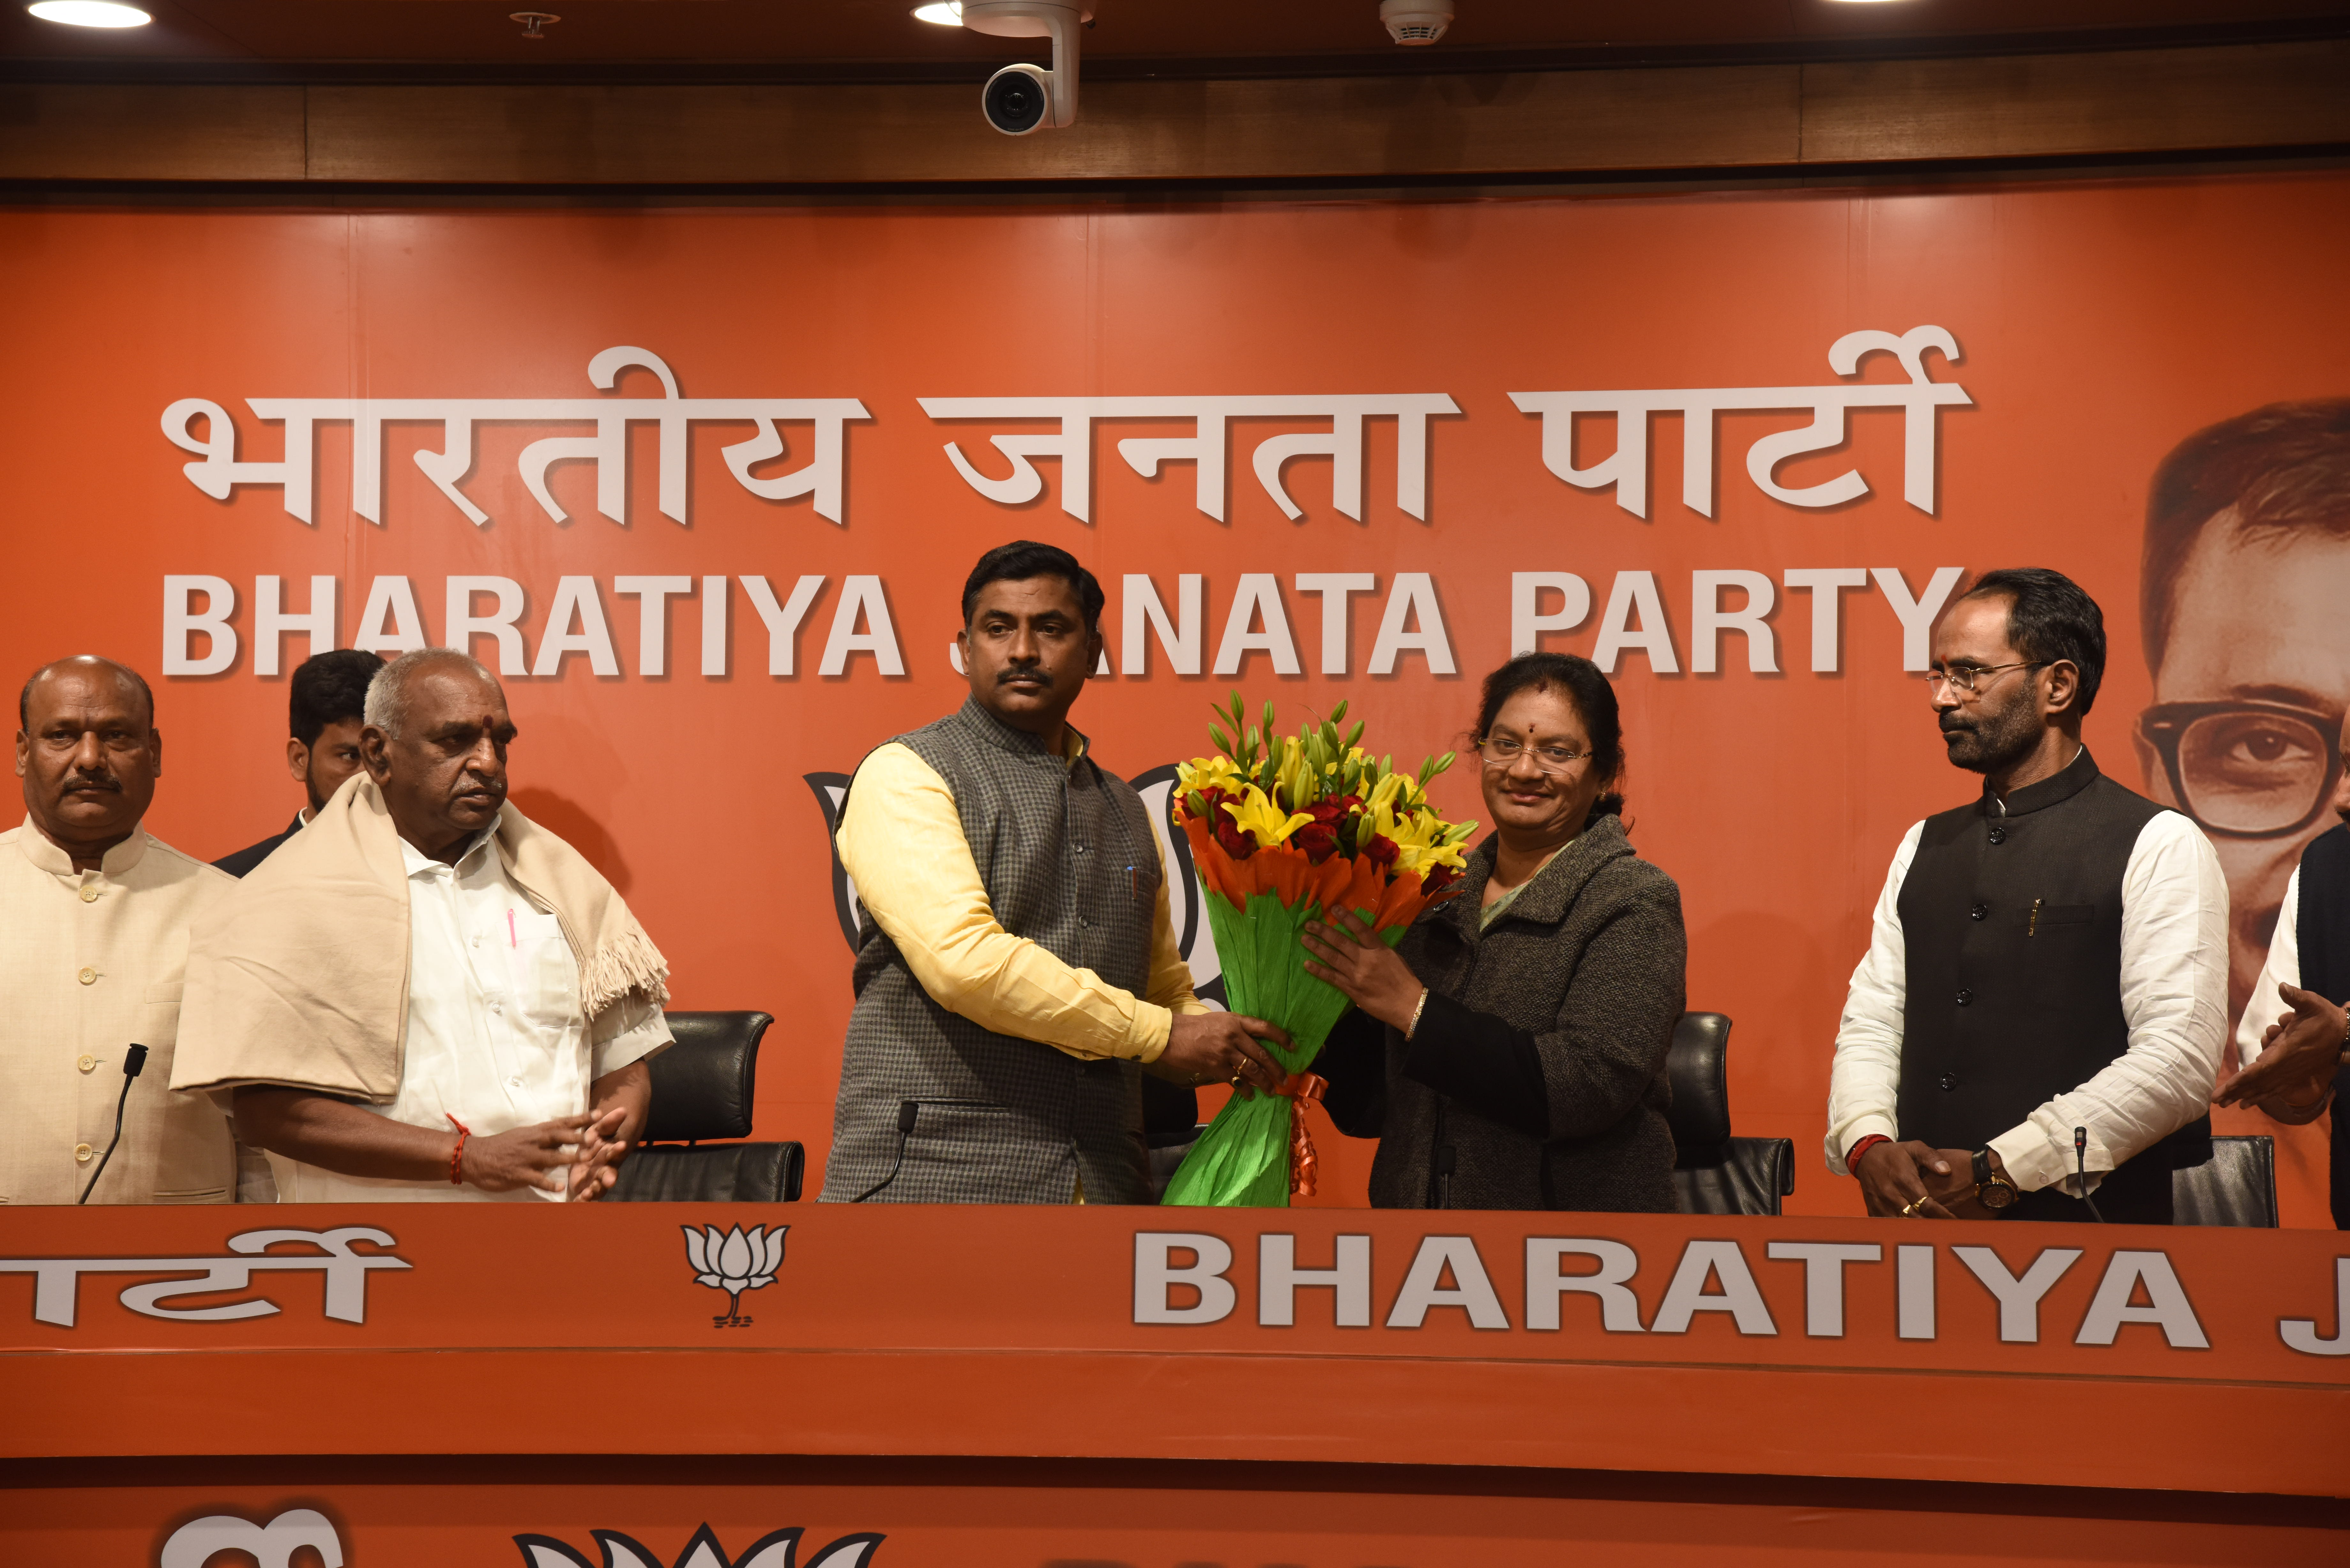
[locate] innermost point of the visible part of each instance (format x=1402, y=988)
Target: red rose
x=1237, y=845
x=1381, y=849
x=1441, y=877
x=1318, y=839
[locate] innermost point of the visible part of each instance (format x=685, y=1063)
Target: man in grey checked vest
x=1018, y=972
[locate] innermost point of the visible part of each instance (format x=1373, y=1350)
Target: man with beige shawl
x=423, y=994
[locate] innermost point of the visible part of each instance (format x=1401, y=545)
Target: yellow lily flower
x=1410, y=830
x=1257, y=817
x=1424, y=858
x=1208, y=773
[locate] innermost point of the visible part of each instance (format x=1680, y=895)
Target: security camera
x=1020, y=98
x=1416, y=21
x=1017, y=97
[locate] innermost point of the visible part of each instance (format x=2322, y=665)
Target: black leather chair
x=1714, y=1173
x=702, y=1089
x=2237, y=1186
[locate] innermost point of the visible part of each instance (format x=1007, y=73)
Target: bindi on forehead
x=1539, y=715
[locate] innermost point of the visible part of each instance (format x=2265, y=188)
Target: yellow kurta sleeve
x=901, y=843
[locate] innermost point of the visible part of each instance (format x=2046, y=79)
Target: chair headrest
x=1696, y=1067
x=702, y=1084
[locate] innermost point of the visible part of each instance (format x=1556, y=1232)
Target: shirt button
x=87, y=1063
x=88, y=976
x=1999, y=836
x=1950, y=1082
x=1965, y=997
x=90, y=895
x=1084, y=924
x=82, y=1152
x=1979, y=911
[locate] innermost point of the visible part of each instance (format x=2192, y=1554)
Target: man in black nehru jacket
x=328, y=692
x=2045, y=990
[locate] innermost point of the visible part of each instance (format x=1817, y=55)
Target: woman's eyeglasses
x=1501, y=751
x=2247, y=770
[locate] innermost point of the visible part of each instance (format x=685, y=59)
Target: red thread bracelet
x=1851, y=1155
x=457, y=1154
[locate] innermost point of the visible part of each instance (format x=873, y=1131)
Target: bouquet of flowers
x=1286, y=829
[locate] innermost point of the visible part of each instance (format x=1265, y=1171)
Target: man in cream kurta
x=423, y=994
x=495, y=1037
x=94, y=917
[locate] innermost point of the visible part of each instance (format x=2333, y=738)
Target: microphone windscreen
x=134, y=1060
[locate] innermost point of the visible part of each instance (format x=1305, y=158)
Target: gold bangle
x=1411, y=1028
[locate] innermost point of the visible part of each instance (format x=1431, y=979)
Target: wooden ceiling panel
x=879, y=38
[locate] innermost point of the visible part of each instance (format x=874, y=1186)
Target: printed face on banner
x=2248, y=556
x=1312, y=451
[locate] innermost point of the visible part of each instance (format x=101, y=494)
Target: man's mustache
x=1956, y=726
x=93, y=781
x=1022, y=675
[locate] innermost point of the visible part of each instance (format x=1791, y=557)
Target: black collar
x=2055, y=790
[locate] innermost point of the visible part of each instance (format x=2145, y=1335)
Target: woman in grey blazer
x=1509, y=1053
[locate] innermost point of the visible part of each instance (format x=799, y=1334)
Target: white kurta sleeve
x=2281, y=968
x=630, y=1030
x=2174, y=981
x=1865, y=1081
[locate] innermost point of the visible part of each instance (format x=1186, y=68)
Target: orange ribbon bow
x=1300, y=1087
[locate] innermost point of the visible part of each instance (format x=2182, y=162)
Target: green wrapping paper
x=1243, y=1159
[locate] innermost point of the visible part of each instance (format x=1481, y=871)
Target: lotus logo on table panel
x=735, y=1261
x=198, y=1542
x=1157, y=788
x=777, y=1550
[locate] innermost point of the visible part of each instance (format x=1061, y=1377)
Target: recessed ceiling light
x=946, y=13
x=89, y=13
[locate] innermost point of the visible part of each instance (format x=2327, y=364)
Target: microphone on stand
x=2081, y=1163
x=133, y=1060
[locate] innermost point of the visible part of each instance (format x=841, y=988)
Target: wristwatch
x=1993, y=1191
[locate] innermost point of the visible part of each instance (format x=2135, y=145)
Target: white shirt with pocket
x=496, y=1035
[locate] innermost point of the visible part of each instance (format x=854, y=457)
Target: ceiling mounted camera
x=1416, y=21
x=1020, y=98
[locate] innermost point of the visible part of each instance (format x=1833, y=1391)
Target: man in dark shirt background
x=328, y=693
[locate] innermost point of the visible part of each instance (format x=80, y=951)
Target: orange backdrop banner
x=704, y=484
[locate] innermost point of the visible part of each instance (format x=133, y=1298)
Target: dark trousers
x=2138, y=1193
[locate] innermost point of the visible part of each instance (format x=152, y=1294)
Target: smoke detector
x=1416, y=21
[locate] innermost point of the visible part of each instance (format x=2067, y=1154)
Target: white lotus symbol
x=735, y=1262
